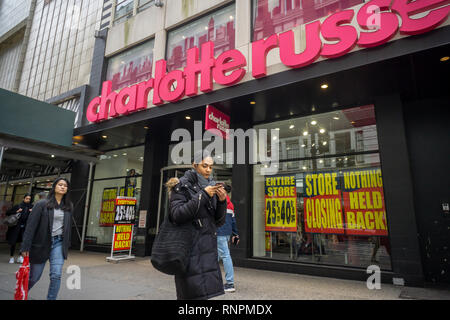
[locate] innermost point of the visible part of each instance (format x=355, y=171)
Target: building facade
x=352, y=95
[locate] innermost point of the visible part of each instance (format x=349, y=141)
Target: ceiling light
x=188, y=118
x=336, y=118
x=320, y=161
x=52, y=155
x=305, y=133
x=115, y=156
x=303, y=145
x=274, y=138
x=231, y=17
x=324, y=86
x=124, y=154
x=324, y=143
x=104, y=137
x=322, y=130
x=146, y=128
x=314, y=122
x=277, y=129
x=445, y=59
x=304, y=168
x=252, y=102
x=291, y=126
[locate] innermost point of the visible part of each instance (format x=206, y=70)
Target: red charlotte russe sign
x=229, y=68
x=214, y=119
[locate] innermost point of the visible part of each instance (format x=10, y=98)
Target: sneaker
x=229, y=287
x=11, y=260
x=20, y=259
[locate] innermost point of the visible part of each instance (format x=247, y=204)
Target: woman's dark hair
x=27, y=195
x=66, y=204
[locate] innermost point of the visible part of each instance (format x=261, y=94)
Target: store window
x=118, y=173
x=275, y=16
x=218, y=27
x=131, y=67
x=326, y=203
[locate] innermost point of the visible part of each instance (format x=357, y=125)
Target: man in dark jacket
x=196, y=199
x=224, y=233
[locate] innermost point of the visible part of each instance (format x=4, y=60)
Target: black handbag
x=12, y=220
x=172, y=247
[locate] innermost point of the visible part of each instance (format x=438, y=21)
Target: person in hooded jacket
x=197, y=199
x=14, y=235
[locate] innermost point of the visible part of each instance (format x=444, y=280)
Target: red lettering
x=167, y=84
x=143, y=92
x=108, y=101
x=204, y=67
x=160, y=71
x=406, y=8
x=230, y=61
x=92, y=110
x=122, y=106
x=388, y=23
x=333, y=30
x=260, y=49
x=311, y=52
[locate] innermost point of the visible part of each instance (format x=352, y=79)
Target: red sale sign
x=214, y=119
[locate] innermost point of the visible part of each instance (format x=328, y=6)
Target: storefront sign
x=281, y=203
x=122, y=237
x=214, y=119
x=125, y=210
x=365, y=212
x=142, y=219
x=322, y=204
x=379, y=21
x=108, y=207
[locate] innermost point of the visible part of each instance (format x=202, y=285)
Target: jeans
x=56, y=266
x=224, y=254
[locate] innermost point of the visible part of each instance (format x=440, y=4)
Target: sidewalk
x=138, y=280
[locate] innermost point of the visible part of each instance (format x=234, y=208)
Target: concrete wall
x=13, y=14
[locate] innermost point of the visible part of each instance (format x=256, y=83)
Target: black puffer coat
x=189, y=202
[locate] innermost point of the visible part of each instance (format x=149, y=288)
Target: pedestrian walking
x=14, y=235
x=197, y=199
x=224, y=233
x=47, y=236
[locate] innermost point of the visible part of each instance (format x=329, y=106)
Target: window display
x=326, y=203
x=118, y=173
x=218, y=27
x=131, y=67
x=276, y=16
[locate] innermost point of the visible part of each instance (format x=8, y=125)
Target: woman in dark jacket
x=47, y=236
x=15, y=233
x=196, y=198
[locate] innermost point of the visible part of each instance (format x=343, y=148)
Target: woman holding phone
x=47, y=236
x=198, y=199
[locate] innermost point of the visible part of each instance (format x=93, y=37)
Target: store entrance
x=220, y=174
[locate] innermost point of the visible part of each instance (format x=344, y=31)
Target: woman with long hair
x=15, y=233
x=47, y=235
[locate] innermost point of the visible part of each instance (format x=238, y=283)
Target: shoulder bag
x=172, y=247
x=12, y=220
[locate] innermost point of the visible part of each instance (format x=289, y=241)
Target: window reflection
x=275, y=16
x=218, y=27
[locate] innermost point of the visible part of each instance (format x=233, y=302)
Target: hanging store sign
x=216, y=120
x=378, y=22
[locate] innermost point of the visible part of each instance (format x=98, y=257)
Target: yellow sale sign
x=281, y=204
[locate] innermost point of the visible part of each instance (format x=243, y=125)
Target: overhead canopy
x=25, y=117
x=37, y=137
